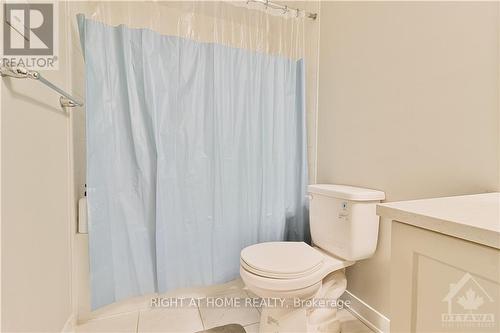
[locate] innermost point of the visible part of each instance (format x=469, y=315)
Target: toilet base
x=305, y=316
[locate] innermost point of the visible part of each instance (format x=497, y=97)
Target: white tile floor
x=190, y=318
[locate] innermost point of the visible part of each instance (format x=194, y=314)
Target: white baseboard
x=368, y=315
x=69, y=326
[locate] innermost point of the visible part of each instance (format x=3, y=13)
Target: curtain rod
x=66, y=99
x=285, y=8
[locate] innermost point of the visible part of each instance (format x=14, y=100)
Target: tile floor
x=189, y=318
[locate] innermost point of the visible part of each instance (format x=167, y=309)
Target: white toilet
x=344, y=228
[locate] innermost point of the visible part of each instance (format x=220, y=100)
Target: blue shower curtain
x=194, y=151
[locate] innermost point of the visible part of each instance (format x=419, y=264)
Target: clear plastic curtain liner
x=196, y=142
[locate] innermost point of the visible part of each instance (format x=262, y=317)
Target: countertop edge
x=450, y=228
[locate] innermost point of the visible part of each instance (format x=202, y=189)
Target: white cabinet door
x=442, y=284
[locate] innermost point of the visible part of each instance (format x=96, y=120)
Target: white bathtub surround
x=475, y=218
x=189, y=319
x=445, y=263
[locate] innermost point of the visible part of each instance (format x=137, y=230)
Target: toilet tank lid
x=346, y=192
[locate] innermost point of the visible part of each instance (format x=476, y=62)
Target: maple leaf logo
x=470, y=301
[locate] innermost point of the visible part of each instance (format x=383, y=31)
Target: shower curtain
x=196, y=144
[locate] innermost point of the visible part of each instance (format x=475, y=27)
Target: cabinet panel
x=442, y=284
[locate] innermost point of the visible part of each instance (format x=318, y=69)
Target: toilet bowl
x=293, y=272
x=344, y=228
x=286, y=269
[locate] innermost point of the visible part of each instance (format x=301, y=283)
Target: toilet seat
x=260, y=270
x=281, y=260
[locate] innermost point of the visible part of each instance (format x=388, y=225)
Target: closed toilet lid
x=281, y=259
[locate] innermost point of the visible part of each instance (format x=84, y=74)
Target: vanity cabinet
x=445, y=265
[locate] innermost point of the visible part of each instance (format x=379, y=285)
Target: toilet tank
x=343, y=219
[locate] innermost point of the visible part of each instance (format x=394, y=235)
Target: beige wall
x=35, y=190
x=408, y=104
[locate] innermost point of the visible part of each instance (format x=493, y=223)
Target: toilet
x=344, y=229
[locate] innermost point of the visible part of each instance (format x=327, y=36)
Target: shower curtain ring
x=267, y=4
x=298, y=12
x=285, y=10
